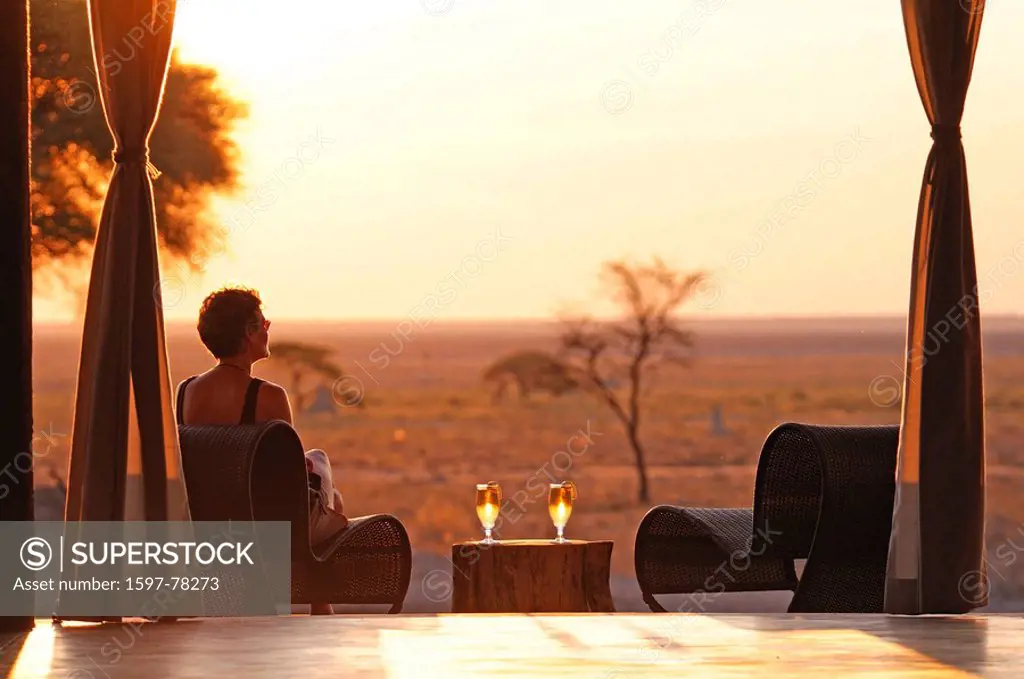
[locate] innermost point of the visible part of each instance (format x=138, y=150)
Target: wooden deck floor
x=609, y=646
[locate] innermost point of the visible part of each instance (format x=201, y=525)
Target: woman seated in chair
x=233, y=329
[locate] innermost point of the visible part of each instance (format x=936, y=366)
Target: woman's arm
x=273, y=404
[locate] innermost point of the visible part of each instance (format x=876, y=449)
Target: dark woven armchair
x=824, y=494
x=258, y=473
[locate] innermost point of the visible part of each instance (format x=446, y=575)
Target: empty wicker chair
x=258, y=473
x=823, y=493
x=707, y=551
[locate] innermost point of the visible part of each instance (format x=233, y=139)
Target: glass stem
x=561, y=530
x=487, y=534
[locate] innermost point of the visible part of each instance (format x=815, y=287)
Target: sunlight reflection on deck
x=619, y=646
x=36, y=655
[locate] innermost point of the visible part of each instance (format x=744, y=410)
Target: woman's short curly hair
x=224, y=318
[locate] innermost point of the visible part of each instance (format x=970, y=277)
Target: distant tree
x=71, y=146
x=531, y=371
x=624, y=351
x=305, y=360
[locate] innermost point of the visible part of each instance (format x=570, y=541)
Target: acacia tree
x=624, y=352
x=71, y=146
x=302, y=360
x=530, y=371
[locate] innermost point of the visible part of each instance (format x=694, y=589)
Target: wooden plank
x=569, y=646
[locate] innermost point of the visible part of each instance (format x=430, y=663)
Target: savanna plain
x=427, y=428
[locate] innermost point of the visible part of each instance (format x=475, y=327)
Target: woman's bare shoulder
x=273, y=403
x=187, y=380
x=198, y=377
x=269, y=387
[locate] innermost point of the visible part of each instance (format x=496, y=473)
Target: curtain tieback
x=946, y=134
x=129, y=156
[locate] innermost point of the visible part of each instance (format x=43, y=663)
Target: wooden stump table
x=532, y=576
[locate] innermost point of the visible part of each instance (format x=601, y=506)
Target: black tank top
x=248, y=410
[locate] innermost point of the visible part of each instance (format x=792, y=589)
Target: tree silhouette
x=302, y=360
x=71, y=146
x=530, y=371
x=624, y=351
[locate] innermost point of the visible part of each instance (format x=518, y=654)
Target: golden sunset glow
x=779, y=148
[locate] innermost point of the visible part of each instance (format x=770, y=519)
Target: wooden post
x=15, y=277
x=532, y=576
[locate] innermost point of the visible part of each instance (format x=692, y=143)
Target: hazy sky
x=584, y=130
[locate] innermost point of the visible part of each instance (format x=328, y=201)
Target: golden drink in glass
x=488, y=504
x=560, y=499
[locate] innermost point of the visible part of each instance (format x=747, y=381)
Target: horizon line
x=541, y=320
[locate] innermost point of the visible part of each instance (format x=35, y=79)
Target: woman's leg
x=318, y=463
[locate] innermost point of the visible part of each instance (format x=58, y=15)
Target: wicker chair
x=823, y=493
x=257, y=473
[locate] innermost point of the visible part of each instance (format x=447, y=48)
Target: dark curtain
x=936, y=551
